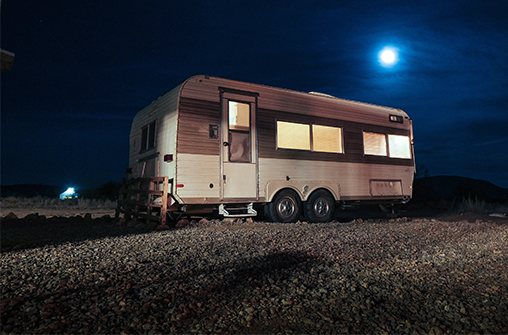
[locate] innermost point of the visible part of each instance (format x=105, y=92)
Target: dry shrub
x=477, y=206
x=53, y=203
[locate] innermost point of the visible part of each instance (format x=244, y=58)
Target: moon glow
x=388, y=56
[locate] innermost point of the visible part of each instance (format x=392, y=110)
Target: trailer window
x=327, y=139
x=374, y=144
x=239, y=116
x=148, y=137
x=399, y=146
x=293, y=135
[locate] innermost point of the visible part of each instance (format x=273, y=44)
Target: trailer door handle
x=225, y=144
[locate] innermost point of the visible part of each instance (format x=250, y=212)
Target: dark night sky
x=84, y=68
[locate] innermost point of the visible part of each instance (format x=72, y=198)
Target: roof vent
x=322, y=94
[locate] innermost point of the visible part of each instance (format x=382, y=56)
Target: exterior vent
x=323, y=94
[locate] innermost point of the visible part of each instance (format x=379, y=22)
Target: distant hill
x=108, y=190
x=31, y=190
x=424, y=189
x=453, y=187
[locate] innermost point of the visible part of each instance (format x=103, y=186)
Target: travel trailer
x=214, y=145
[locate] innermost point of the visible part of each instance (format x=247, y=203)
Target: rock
x=32, y=216
x=10, y=216
x=182, y=223
x=139, y=226
x=263, y=278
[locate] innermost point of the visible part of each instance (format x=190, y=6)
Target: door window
x=239, y=131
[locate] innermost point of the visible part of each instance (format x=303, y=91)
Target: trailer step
x=250, y=211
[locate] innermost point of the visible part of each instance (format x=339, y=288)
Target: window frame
x=277, y=137
x=341, y=139
x=148, y=137
x=310, y=127
x=388, y=153
x=365, y=147
x=408, y=149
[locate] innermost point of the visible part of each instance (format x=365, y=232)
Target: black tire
x=285, y=207
x=320, y=207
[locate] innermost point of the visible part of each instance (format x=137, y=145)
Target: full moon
x=388, y=56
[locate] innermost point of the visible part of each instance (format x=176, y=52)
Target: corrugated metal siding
x=353, y=178
x=197, y=173
x=195, y=116
x=200, y=105
x=353, y=139
x=163, y=110
x=195, y=104
x=284, y=100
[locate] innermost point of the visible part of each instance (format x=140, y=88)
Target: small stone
x=182, y=223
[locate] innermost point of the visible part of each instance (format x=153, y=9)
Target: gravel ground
x=397, y=276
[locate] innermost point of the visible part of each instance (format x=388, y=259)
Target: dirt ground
x=347, y=215
x=23, y=228
x=50, y=212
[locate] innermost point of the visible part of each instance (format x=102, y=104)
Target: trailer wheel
x=285, y=207
x=320, y=207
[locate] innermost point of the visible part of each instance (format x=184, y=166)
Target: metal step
x=250, y=211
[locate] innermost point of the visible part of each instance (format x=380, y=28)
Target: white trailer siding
x=199, y=167
x=349, y=177
x=163, y=111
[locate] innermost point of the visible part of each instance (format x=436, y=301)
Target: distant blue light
x=69, y=194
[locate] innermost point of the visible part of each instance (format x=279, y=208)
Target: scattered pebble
x=213, y=276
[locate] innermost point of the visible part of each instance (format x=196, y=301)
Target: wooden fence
x=145, y=199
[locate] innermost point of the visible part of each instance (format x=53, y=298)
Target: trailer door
x=239, y=147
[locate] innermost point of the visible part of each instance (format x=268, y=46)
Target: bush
x=476, y=206
x=53, y=203
x=468, y=205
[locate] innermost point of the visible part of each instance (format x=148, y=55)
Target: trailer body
x=228, y=145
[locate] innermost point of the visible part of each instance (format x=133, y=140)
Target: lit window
x=399, y=146
x=239, y=116
x=374, y=144
x=327, y=139
x=293, y=135
x=148, y=137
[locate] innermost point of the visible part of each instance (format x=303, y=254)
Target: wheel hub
x=286, y=207
x=321, y=207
